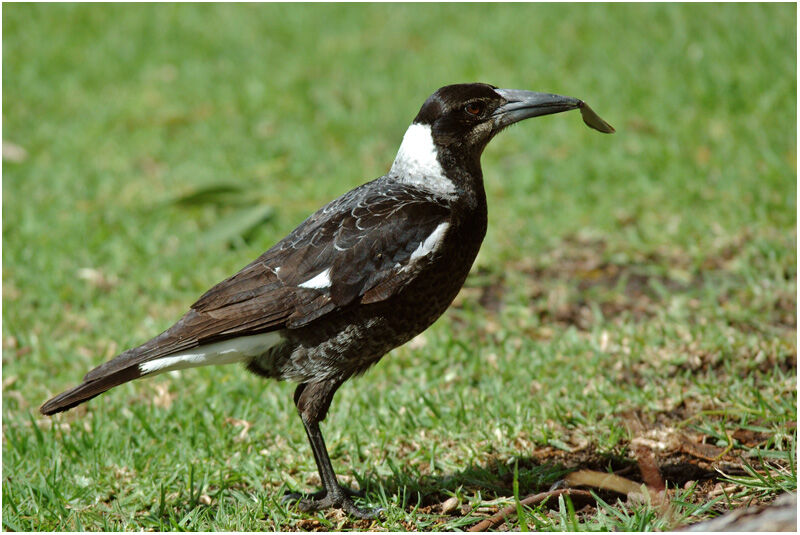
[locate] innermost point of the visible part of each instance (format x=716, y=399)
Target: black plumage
x=362, y=275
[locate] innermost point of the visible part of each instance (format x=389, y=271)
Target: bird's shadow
x=492, y=479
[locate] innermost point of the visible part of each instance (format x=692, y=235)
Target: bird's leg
x=312, y=401
x=317, y=403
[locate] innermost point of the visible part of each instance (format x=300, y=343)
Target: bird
x=364, y=274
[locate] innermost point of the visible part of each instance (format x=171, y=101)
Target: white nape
x=225, y=352
x=323, y=280
x=431, y=243
x=416, y=161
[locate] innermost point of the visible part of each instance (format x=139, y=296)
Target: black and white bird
x=361, y=276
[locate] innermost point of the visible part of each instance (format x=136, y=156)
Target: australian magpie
x=362, y=275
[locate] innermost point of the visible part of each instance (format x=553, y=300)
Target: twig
x=533, y=499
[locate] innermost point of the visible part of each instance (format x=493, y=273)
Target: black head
x=443, y=147
x=468, y=116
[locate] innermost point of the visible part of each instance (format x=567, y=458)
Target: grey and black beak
x=523, y=104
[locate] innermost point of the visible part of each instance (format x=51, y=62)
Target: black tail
x=89, y=389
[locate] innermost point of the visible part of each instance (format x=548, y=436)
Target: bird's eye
x=474, y=108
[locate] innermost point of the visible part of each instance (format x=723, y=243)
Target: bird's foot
x=337, y=500
x=320, y=494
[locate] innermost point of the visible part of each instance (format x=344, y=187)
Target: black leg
x=312, y=401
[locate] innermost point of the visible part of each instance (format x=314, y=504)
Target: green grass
x=648, y=276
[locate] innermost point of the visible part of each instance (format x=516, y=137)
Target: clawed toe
x=290, y=497
x=294, y=497
x=373, y=513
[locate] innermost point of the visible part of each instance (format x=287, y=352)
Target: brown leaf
x=602, y=480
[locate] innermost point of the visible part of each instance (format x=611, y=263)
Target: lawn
x=634, y=299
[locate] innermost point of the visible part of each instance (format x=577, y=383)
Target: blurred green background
x=152, y=150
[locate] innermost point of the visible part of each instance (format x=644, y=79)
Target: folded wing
x=361, y=248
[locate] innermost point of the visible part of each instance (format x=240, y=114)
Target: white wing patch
x=431, y=243
x=225, y=352
x=416, y=161
x=323, y=280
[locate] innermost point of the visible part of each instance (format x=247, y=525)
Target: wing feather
x=366, y=238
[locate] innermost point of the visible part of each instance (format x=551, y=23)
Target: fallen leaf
x=13, y=152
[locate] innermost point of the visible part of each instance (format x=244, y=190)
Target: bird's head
x=471, y=114
x=457, y=121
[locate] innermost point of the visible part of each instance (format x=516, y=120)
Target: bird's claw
x=291, y=497
x=322, y=500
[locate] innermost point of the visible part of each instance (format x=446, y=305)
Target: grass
x=646, y=277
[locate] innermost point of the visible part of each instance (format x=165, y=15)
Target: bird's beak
x=523, y=104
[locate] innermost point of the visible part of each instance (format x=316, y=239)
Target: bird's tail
x=154, y=357
x=89, y=389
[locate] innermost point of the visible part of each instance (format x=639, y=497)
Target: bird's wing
x=361, y=248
